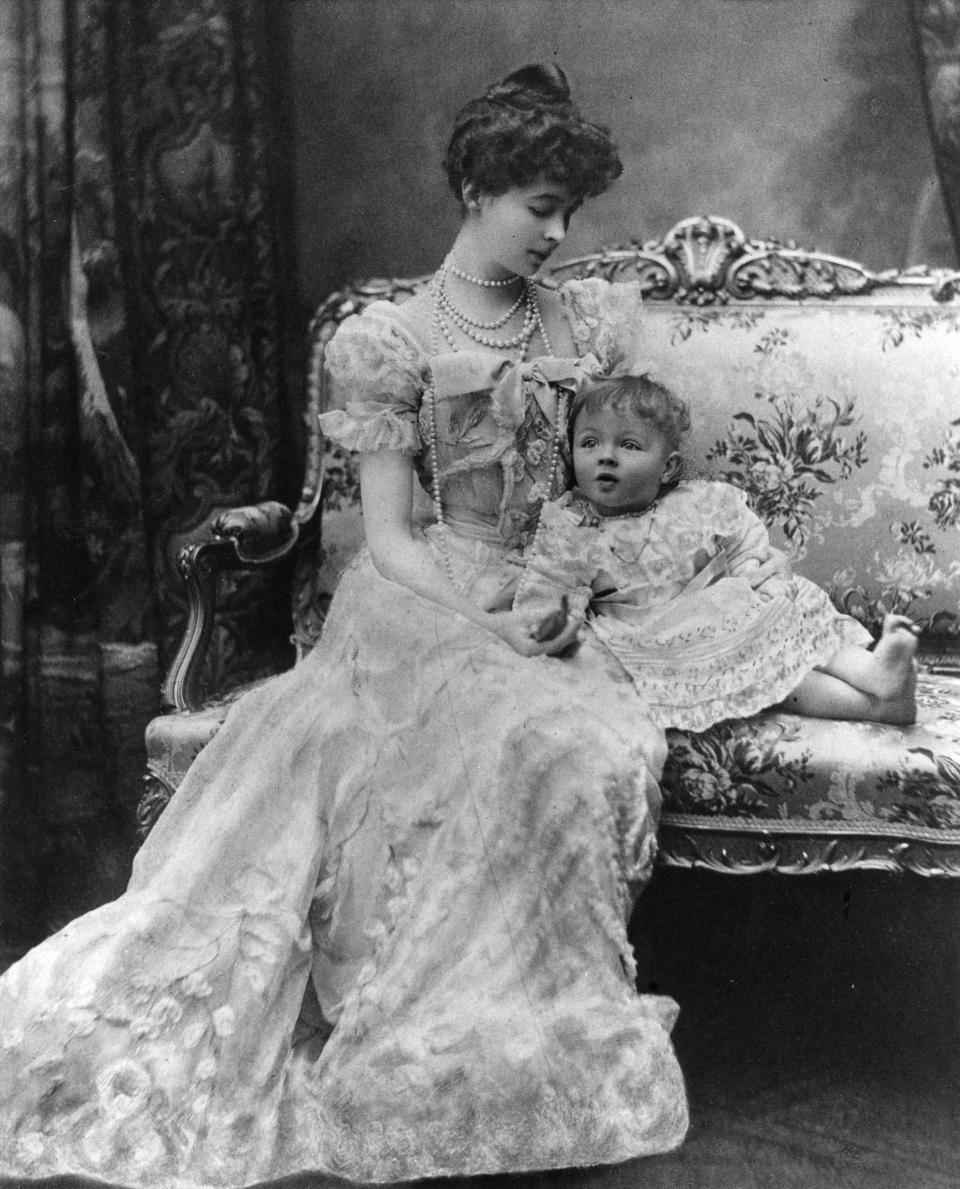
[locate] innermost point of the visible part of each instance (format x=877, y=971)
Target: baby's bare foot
x=897, y=646
x=895, y=653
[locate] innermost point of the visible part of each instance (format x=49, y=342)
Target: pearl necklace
x=465, y=276
x=470, y=327
x=439, y=329
x=460, y=318
x=446, y=314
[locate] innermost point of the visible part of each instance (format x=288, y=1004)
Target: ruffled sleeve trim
x=366, y=428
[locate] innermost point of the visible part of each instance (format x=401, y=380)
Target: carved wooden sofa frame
x=709, y=278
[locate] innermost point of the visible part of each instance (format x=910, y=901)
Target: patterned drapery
x=937, y=27
x=141, y=383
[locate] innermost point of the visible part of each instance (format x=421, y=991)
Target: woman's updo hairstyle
x=527, y=127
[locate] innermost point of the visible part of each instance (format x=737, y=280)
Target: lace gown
x=670, y=597
x=380, y=930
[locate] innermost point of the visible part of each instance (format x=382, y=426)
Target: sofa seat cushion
x=772, y=792
x=778, y=791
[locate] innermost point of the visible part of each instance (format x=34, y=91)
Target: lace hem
x=721, y=678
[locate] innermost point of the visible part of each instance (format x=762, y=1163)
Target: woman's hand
x=519, y=629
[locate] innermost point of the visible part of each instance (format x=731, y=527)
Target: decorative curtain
x=936, y=25
x=140, y=384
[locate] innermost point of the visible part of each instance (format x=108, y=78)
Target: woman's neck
x=470, y=255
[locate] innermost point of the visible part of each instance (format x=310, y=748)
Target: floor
x=819, y=1033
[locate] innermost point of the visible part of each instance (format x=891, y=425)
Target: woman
x=381, y=929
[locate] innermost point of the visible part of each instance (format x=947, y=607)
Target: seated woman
x=380, y=931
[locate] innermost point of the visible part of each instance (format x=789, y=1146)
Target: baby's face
x=620, y=461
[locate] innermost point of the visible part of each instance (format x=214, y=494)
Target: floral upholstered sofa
x=831, y=394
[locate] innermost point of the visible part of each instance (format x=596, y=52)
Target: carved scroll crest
x=707, y=260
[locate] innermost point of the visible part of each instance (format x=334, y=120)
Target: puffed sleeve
x=604, y=317
x=563, y=560
x=376, y=375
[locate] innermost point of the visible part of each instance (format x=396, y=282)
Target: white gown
x=380, y=931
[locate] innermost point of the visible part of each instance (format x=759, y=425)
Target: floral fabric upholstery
x=841, y=421
x=842, y=424
x=776, y=777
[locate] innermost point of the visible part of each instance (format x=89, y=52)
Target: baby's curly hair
x=639, y=395
x=527, y=127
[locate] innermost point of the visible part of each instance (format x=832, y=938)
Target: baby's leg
x=820, y=695
x=877, y=686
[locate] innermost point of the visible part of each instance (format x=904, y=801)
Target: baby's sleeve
x=743, y=535
x=561, y=562
x=376, y=375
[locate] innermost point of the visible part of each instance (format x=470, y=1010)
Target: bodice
x=498, y=425
x=495, y=419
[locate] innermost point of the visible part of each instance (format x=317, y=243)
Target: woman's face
x=518, y=230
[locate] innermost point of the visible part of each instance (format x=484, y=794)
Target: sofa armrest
x=244, y=538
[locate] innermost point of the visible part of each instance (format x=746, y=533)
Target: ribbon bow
x=508, y=381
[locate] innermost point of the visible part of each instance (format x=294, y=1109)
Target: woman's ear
x=672, y=467
x=470, y=196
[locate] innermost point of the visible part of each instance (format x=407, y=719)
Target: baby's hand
x=521, y=630
x=775, y=565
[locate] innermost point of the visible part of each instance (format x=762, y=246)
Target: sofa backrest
x=829, y=392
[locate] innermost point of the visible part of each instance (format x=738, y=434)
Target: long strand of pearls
x=438, y=330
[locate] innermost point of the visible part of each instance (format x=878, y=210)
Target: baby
x=664, y=566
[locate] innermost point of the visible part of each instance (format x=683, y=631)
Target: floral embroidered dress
x=380, y=931
x=670, y=598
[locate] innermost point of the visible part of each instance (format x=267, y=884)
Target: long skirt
x=379, y=932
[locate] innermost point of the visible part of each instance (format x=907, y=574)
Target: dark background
x=798, y=119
